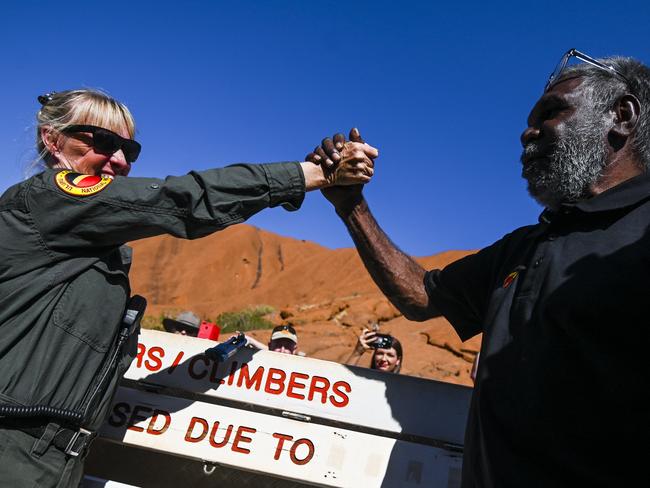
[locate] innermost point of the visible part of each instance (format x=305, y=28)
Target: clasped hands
x=340, y=168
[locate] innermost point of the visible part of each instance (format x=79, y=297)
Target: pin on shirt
x=512, y=276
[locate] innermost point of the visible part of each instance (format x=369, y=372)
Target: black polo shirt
x=564, y=306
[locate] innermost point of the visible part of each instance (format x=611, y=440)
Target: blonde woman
x=64, y=284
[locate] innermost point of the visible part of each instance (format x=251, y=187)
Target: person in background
x=387, y=351
x=186, y=323
x=283, y=340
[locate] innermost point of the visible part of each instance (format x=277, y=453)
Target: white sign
x=301, y=451
x=316, y=388
x=287, y=416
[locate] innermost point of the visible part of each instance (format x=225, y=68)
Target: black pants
x=28, y=462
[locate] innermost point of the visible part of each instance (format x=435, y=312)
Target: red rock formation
x=327, y=294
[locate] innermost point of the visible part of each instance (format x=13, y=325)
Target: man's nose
x=529, y=135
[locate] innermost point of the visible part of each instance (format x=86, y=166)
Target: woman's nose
x=119, y=163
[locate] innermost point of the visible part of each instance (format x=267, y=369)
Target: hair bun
x=44, y=99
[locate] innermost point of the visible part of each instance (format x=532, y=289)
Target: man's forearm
x=398, y=275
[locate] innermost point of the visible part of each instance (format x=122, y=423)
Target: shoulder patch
x=81, y=185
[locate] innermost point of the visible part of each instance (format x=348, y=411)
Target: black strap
x=72, y=441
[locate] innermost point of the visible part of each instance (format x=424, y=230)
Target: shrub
x=248, y=319
x=251, y=318
x=151, y=322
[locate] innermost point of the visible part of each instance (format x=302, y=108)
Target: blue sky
x=442, y=90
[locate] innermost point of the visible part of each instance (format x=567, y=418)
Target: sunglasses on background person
x=574, y=53
x=284, y=327
x=108, y=142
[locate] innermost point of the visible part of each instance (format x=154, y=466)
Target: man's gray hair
x=605, y=88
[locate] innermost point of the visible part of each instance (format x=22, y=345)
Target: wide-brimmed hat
x=187, y=321
x=284, y=332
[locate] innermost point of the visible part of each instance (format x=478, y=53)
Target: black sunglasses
x=108, y=142
x=284, y=327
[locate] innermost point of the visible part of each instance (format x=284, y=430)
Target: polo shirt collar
x=626, y=194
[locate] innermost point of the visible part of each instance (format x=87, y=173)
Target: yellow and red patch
x=81, y=185
x=510, y=278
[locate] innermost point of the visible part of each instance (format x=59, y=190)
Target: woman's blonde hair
x=77, y=107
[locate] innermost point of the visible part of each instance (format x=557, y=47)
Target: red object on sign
x=208, y=330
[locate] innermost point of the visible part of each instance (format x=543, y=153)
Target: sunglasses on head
x=108, y=142
x=284, y=327
x=574, y=53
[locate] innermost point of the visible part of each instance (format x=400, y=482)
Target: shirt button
x=537, y=263
x=154, y=186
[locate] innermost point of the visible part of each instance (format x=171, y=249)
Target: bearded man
x=560, y=391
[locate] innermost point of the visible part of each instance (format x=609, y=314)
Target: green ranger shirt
x=63, y=272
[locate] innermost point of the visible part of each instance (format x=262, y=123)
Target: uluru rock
x=326, y=294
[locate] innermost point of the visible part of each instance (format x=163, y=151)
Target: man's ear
x=626, y=115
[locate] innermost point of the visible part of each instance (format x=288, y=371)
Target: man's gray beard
x=574, y=164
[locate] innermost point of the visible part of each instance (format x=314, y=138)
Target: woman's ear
x=50, y=140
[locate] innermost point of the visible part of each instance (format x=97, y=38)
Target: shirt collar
x=623, y=195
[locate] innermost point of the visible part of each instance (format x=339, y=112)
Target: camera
x=382, y=341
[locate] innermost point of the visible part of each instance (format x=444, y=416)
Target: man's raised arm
x=397, y=274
